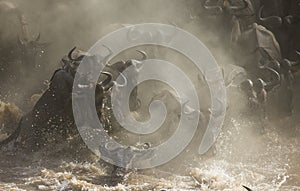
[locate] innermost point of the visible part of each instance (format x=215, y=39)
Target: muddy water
x=242, y=156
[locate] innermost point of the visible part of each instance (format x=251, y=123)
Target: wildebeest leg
x=261, y=96
x=285, y=98
x=263, y=117
x=289, y=100
x=13, y=136
x=22, y=136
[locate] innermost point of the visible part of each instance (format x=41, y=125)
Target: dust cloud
x=242, y=155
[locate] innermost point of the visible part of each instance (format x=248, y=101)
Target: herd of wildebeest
x=263, y=37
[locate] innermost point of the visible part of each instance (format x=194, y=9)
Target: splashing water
x=243, y=156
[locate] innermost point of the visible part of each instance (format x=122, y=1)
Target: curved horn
x=107, y=80
x=137, y=64
x=121, y=85
x=70, y=53
x=276, y=74
x=143, y=53
x=261, y=82
x=248, y=189
x=298, y=53
x=212, y=8
x=247, y=87
x=288, y=64
x=237, y=8
x=39, y=44
x=272, y=21
x=250, y=82
x=289, y=19
x=76, y=59
x=186, y=109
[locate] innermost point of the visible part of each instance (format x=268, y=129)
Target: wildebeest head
x=117, y=68
x=260, y=84
x=287, y=64
x=272, y=21
x=271, y=76
x=219, y=7
x=281, y=16
x=31, y=50
x=75, y=57
x=79, y=55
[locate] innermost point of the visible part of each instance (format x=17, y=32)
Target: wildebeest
x=23, y=58
x=30, y=48
x=285, y=95
x=51, y=119
x=282, y=17
x=225, y=6
x=116, y=69
x=249, y=48
x=263, y=49
x=283, y=75
x=246, y=36
x=237, y=16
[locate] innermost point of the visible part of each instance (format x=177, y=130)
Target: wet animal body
x=264, y=40
x=51, y=119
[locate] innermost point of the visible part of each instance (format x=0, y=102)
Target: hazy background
x=68, y=23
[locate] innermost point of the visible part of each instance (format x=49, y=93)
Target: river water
x=243, y=155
